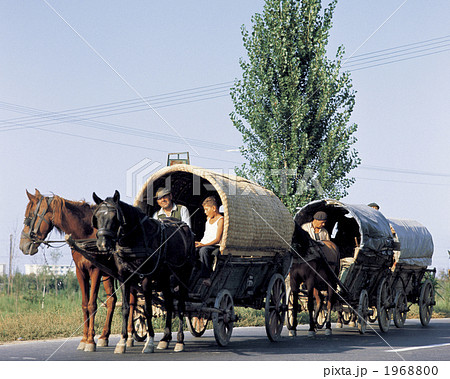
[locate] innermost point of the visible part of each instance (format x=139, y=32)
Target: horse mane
x=79, y=209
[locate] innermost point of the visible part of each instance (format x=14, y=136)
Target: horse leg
x=121, y=345
x=353, y=319
x=111, y=299
x=92, y=309
x=130, y=326
x=312, y=324
x=149, y=346
x=84, y=288
x=329, y=307
x=317, y=305
x=179, y=346
x=168, y=304
x=293, y=331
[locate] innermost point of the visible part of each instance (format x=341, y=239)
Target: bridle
x=104, y=232
x=35, y=220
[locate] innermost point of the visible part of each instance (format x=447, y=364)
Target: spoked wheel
x=346, y=317
x=139, y=324
x=426, y=302
x=197, y=325
x=290, y=310
x=373, y=315
x=223, y=320
x=400, y=308
x=275, y=310
x=321, y=318
x=363, y=311
x=384, y=300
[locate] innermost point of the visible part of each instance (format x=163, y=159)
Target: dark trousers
x=204, y=254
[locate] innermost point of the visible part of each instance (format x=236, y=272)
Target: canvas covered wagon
x=253, y=257
x=412, y=280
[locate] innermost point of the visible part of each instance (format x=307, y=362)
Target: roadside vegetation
x=30, y=312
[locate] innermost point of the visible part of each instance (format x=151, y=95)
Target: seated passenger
x=169, y=208
x=316, y=229
x=211, y=238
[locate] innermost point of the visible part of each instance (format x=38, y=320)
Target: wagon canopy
x=368, y=226
x=255, y=220
x=416, y=243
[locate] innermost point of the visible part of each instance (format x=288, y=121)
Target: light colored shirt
x=210, y=231
x=323, y=233
x=184, y=212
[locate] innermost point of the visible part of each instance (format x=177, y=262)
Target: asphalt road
x=412, y=343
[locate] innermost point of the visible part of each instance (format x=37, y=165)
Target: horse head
x=108, y=219
x=37, y=223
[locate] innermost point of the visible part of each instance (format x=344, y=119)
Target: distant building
x=54, y=269
x=2, y=268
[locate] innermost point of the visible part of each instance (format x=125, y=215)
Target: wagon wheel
x=197, y=325
x=224, y=319
x=346, y=317
x=290, y=308
x=276, y=307
x=426, y=302
x=139, y=324
x=372, y=317
x=384, y=300
x=321, y=318
x=400, y=308
x=363, y=311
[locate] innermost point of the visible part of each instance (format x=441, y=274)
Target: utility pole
x=10, y=262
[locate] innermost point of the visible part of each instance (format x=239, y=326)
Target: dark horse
x=70, y=217
x=315, y=274
x=147, y=253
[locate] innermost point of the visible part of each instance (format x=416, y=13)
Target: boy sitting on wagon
x=211, y=238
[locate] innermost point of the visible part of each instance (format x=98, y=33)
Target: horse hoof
x=311, y=334
x=162, y=345
x=148, y=349
x=292, y=333
x=120, y=349
x=339, y=325
x=81, y=346
x=178, y=347
x=130, y=342
x=102, y=342
x=351, y=324
x=89, y=348
x=328, y=332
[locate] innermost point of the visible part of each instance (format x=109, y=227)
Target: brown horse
x=70, y=217
x=316, y=275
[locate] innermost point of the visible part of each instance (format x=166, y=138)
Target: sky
x=90, y=90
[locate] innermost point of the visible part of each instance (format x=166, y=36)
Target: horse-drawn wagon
x=250, y=263
x=412, y=281
x=367, y=273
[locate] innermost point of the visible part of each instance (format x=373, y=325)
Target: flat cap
x=321, y=216
x=374, y=205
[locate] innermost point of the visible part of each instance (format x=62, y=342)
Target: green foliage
x=293, y=105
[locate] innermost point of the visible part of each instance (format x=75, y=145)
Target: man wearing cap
x=374, y=206
x=169, y=208
x=316, y=229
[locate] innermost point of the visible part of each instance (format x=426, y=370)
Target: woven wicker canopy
x=255, y=220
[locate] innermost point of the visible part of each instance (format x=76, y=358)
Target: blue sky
x=86, y=54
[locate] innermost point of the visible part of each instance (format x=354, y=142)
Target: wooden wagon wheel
x=197, y=325
x=363, y=311
x=139, y=324
x=400, y=308
x=426, y=302
x=275, y=310
x=290, y=313
x=384, y=300
x=223, y=320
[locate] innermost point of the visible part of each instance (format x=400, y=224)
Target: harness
x=30, y=221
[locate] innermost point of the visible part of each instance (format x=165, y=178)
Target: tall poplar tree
x=293, y=105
